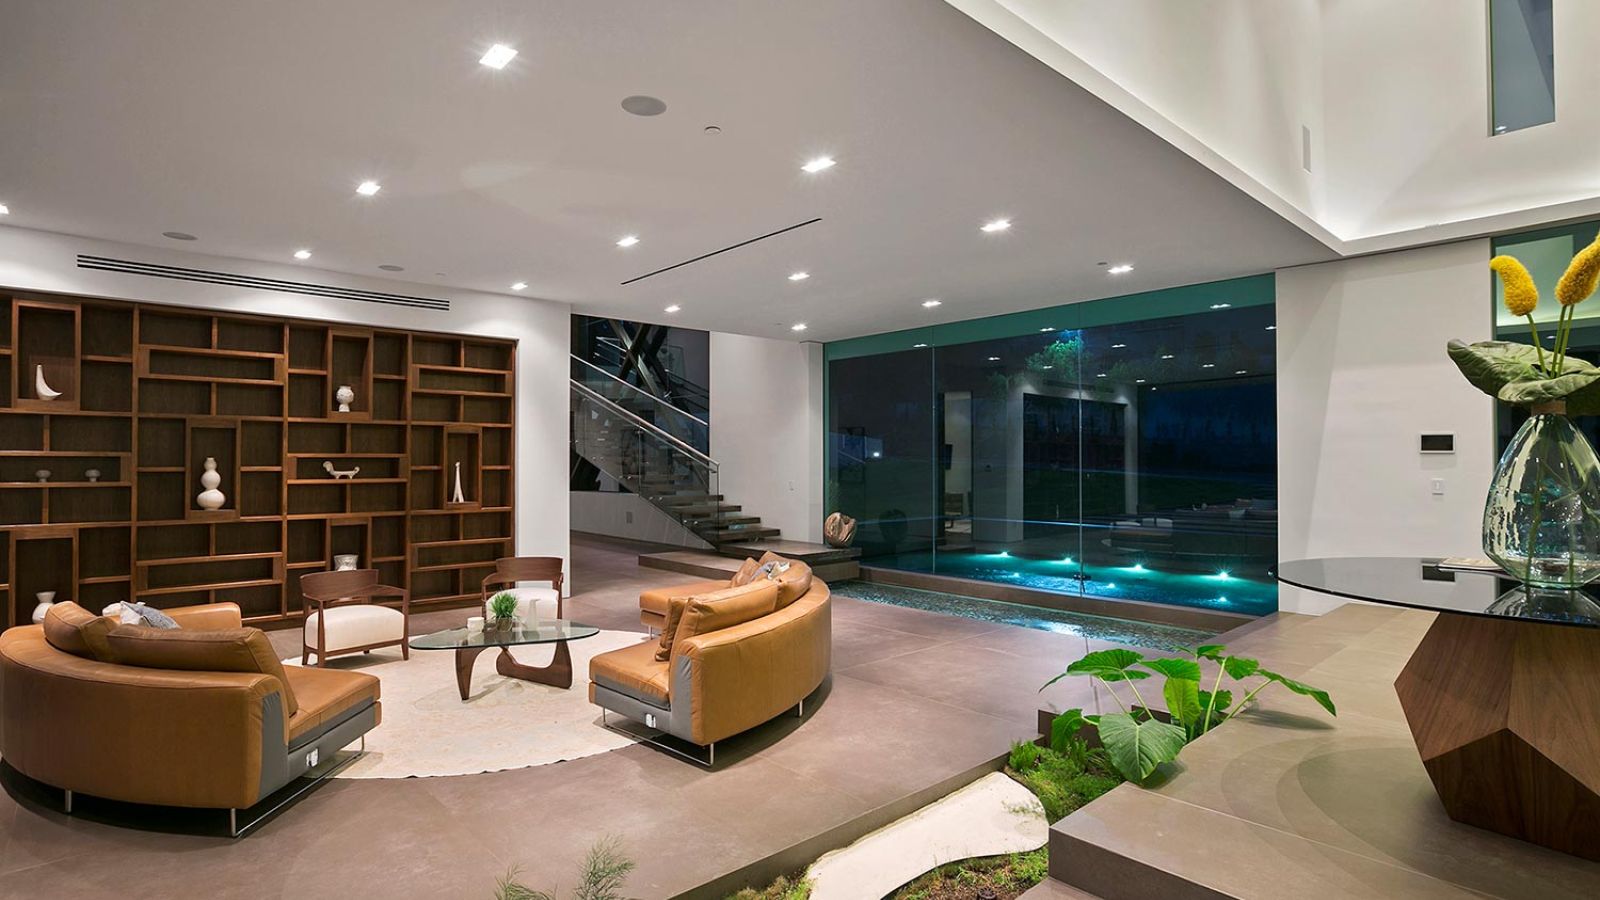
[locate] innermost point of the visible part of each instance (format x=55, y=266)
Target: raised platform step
x=741, y=533
x=826, y=562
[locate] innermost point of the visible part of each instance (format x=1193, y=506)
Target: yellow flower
x=1522, y=295
x=1579, y=281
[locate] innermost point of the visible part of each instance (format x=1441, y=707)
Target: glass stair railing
x=668, y=472
x=686, y=395
x=684, y=426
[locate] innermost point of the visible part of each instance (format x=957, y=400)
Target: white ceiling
x=250, y=124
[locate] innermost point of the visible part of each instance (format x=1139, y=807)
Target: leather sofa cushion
x=724, y=609
x=325, y=695
x=72, y=629
x=634, y=671
x=221, y=650
x=658, y=600
x=793, y=583
x=747, y=572
x=679, y=605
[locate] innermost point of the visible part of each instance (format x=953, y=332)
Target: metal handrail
x=648, y=426
x=638, y=390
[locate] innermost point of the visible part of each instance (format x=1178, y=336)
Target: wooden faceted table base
x=1506, y=716
x=557, y=674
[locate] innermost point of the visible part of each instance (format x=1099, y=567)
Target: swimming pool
x=1251, y=593
x=1104, y=628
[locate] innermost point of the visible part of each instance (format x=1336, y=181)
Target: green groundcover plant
x=604, y=871
x=1135, y=740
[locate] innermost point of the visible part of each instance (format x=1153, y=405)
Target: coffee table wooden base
x=557, y=674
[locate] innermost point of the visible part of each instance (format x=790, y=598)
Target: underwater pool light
x=1067, y=561
x=1137, y=567
x=1223, y=574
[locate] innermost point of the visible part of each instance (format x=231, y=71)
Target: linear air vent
x=723, y=250
x=207, y=276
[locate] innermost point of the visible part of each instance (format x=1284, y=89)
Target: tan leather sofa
x=75, y=715
x=717, y=684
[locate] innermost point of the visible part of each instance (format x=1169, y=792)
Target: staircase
x=656, y=451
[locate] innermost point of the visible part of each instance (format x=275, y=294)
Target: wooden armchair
x=341, y=616
x=510, y=570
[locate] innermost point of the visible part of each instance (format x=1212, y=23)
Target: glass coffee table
x=545, y=631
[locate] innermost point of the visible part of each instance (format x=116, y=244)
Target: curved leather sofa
x=172, y=736
x=723, y=682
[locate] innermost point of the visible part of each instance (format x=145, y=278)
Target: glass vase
x=1541, y=522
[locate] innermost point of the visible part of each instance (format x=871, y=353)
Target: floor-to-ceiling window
x=1121, y=448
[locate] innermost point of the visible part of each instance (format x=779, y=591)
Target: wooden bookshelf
x=146, y=394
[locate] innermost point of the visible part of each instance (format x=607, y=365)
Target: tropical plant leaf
x=1239, y=667
x=1136, y=748
x=1064, y=728
x=1115, y=664
x=1224, y=699
x=1183, y=701
x=1491, y=365
x=1303, y=689
x=1184, y=669
x=1209, y=651
x=1545, y=390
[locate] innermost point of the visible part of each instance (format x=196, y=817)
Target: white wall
x=766, y=429
x=42, y=261
x=1362, y=371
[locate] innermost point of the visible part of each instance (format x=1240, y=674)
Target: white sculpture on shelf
x=92, y=474
x=42, y=474
x=46, y=600
x=210, y=498
x=339, y=473
x=40, y=387
x=346, y=562
x=346, y=396
x=458, y=496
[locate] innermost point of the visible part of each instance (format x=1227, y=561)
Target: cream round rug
x=506, y=723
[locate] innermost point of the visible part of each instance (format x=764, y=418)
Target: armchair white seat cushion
x=530, y=600
x=357, y=625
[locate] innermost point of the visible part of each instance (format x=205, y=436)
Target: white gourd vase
x=46, y=600
x=210, y=498
x=40, y=388
x=346, y=396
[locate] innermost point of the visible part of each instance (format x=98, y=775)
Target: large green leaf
x=1224, y=699
x=1510, y=373
x=1209, y=651
x=1491, y=365
x=1115, y=664
x=1136, y=748
x=1303, y=689
x=1239, y=667
x=1183, y=701
x=1185, y=669
x=1064, y=727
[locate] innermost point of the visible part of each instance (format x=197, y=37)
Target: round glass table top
x=544, y=631
x=1420, y=583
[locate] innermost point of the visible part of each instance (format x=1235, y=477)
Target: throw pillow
x=70, y=628
x=793, y=581
x=746, y=574
x=723, y=609
x=221, y=650
x=141, y=614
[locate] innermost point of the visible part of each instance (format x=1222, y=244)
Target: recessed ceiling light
x=179, y=235
x=498, y=56
x=996, y=225
x=1120, y=269
x=628, y=240
x=368, y=188
x=391, y=267
x=1118, y=346
x=1272, y=328
x=642, y=105
x=1045, y=329
x=1239, y=372
x=1221, y=305
x=1138, y=381
x=818, y=164
x=799, y=276
x=673, y=308
x=918, y=346
x=930, y=304
x=798, y=326
x=1047, y=368
x=1208, y=365
x=520, y=285
x=1166, y=356
x=4, y=210
x=302, y=254
x=712, y=129
x=1101, y=375
x=994, y=359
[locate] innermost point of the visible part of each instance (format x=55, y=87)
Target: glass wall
x=1122, y=448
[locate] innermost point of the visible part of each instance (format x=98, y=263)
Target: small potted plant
x=502, y=612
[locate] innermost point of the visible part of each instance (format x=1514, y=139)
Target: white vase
x=345, y=562
x=46, y=600
x=346, y=396
x=210, y=498
x=458, y=496
x=40, y=388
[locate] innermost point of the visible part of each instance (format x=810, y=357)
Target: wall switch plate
x=1438, y=486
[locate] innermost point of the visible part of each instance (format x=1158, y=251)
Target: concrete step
x=743, y=533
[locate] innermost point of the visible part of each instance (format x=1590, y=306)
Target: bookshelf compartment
x=77, y=503
x=376, y=498
x=313, y=437
x=45, y=337
x=93, y=434
x=434, y=408
x=250, y=336
x=377, y=438
x=488, y=356
x=107, y=331
x=232, y=538
x=161, y=328
x=105, y=552
x=349, y=538
x=427, y=491
x=264, y=401
x=497, y=447
x=218, y=440
x=172, y=541
x=389, y=537
x=388, y=400
x=163, y=496
x=260, y=494
x=261, y=601
x=161, y=443
x=310, y=468
x=307, y=347
x=207, y=364
x=350, y=363
x=96, y=596
x=63, y=469
x=389, y=355
x=260, y=444
x=486, y=525
x=175, y=398
x=306, y=393
x=21, y=432
x=45, y=563
x=22, y=506
x=435, y=352
x=107, y=386
x=316, y=499
x=306, y=542
x=166, y=575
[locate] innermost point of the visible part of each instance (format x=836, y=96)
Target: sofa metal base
x=661, y=740
x=241, y=821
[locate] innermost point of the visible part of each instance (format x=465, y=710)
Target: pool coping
x=1215, y=621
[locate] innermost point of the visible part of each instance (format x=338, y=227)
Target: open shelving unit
x=145, y=395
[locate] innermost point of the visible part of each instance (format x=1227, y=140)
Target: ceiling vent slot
x=702, y=256
x=207, y=276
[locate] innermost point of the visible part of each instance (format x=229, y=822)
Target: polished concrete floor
x=916, y=698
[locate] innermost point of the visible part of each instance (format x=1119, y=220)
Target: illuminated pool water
x=1254, y=595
